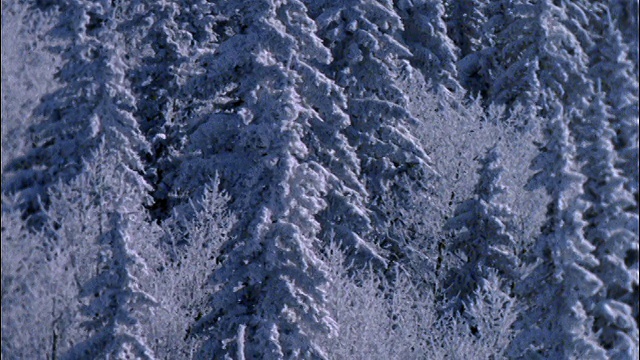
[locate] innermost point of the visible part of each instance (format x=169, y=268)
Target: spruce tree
x=273, y=133
x=469, y=28
x=625, y=16
x=613, y=230
x=113, y=301
x=612, y=68
x=156, y=78
x=432, y=51
x=539, y=61
x=485, y=241
x=561, y=288
x=368, y=58
x=93, y=102
x=466, y=21
x=167, y=36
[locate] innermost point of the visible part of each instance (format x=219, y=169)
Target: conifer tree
x=613, y=230
x=115, y=297
x=561, y=288
x=171, y=35
x=485, y=242
x=539, y=61
x=113, y=300
x=156, y=80
x=478, y=66
x=93, y=102
x=425, y=33
x=612, y=68
x=273, y=133
x=364, y=40
x=492, y=311
x=625, y=16
x=467, y=26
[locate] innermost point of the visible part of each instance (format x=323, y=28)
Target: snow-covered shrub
x=181, y=269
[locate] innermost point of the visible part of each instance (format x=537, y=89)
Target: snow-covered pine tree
x=93, y=102
x=612, y=68
x=466, y=20
x=425, y=33
x=561, y=288
x=172, y=34
x=625, y=16
x=113, y=300
x=613, y=230
x=485, y=241
x=468, y=27
x=458, y=138
x=213, y=139
x=539, y=60
x=364, y=39
x=273, y=133
x=578, y=20
x=155, y=80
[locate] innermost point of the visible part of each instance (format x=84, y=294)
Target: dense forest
x=314, y=179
